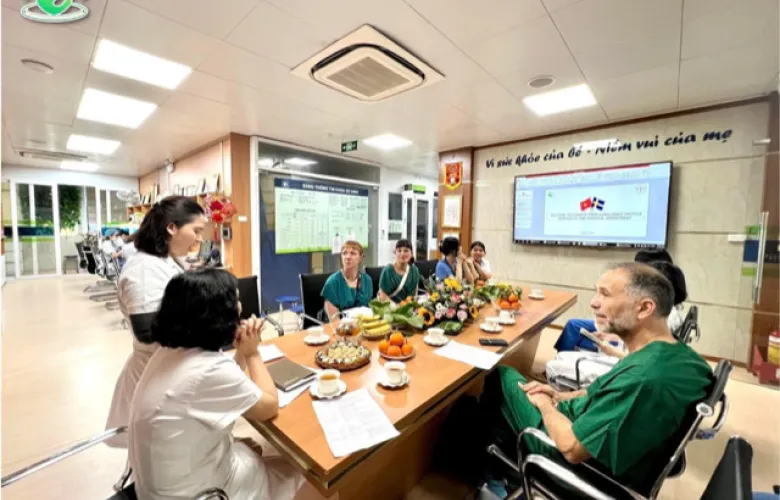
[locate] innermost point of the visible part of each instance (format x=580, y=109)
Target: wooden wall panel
x=465, y=190
x=241, y=244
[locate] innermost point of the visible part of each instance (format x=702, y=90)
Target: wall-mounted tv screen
x=625, y=206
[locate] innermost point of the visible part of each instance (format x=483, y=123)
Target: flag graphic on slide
x=591, y=203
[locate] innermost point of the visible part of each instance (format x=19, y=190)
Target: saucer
x=435, y=343
x=314, y=389
x=486, y=328
x=316, y=339
x=536, y=297
x=507, y=322
x=385, y=383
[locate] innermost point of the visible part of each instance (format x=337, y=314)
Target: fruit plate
x=398, y=358
x=343, y=367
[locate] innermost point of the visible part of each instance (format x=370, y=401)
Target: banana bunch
x=374, y=327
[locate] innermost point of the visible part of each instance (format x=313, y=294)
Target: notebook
x=287, y=375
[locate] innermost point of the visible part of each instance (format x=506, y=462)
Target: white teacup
x=537, y=292
x=315, y=331
x=505, y=316
x=396, y=372
x=493, y=321
x=436, y=334
x=329, y=381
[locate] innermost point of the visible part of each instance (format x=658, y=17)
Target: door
x=36, y=247
x=417, y=215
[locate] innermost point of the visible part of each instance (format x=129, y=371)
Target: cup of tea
x=396, y=372
x=315, y=331
x=329, y=381
x=436, y=334
x=493, y=321
x=505, y=316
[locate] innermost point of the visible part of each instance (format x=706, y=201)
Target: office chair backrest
x=689, y=327
x=247, y=294
x=92, y=265
x=732, y=477
x=427, y=268
x=374, y=273
x=311, y=295
x=690, y=426
x=82, y=257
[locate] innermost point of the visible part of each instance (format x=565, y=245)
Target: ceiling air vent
x=37, y=154
x=368, y=66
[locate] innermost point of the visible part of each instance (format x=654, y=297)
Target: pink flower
x=467, y=293
x=463, y=307
x=440, y=286
x=450, y=313
x=439, y=314
x=455, y=298
x=462, y=315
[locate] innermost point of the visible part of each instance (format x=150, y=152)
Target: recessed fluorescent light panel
x=130, y=63
x=98, y=106
x=558, y=101
x=92, y=144
x=300, y=162
x=387, y=142
x=601, y=143
x=80, y=166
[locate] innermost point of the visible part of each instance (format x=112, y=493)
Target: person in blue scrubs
x=451, y=264
x=571, y=338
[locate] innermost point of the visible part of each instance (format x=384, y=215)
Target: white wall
x=392, y=181
x=33, y=175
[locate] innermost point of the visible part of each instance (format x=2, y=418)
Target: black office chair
x=427, y=269
x=311, y=295
x=374, y=273
x=250, y=301
x=124, y=491
x=690, y=327
x=732, y=477
x=554, y=478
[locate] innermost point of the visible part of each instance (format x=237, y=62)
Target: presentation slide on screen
x=613, y=206
x=318, y=217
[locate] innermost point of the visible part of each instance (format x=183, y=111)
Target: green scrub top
x=389, y=281
x=337, y=291
x=629, y=413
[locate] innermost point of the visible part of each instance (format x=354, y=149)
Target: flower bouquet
x=450, y=305
x=219, y=209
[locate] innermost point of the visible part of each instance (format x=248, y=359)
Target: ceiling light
x=557, y=101
x=130, y=63
x=300, y=162
x=80, y=166
x=40, y=67
x=114, y=109
x=92, y=144
x=266, y=162
x=387, y=142
x=601, y=143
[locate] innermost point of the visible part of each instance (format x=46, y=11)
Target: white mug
x=505, y=315
x=492, y=321
x=395, y=371
x=329, y=381
x=436, y=334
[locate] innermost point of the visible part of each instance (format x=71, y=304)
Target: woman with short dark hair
x=167, y=231
x=451, y=263
x=190, y=395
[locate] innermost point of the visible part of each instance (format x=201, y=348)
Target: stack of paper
x=353, y=422
x=269, y=352
x=287, y=397
x=473, y=356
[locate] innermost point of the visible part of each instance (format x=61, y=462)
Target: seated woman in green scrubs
x=400, y=279
x=349, y=287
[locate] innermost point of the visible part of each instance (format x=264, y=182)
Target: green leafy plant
x=70, y=206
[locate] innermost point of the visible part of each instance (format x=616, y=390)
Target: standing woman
x=451, y=264
x=167, y=231
x=477, y=268
x=350, y=287
x=400, y=279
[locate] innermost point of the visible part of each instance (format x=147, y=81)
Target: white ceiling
x=639, y=57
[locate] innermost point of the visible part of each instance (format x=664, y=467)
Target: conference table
x=417, y=410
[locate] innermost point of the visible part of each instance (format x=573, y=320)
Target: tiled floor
x=61, y=354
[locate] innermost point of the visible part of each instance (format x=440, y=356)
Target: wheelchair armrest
x=596, y=360
x=707, y=411
x=495, y=451
x=562, y=474
x=275, y=324
x=536, y=433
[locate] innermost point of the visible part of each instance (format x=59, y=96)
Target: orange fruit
x=407, y=349
x=394, y=350
x=384, y=346
x=504, y=304
x=397, y=339
x=513, y=298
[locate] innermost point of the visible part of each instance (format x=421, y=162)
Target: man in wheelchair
x=623, y=421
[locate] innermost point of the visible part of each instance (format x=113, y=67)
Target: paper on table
x=287, y=397
x=269, y=352
x=473, y=356
x=353, y=422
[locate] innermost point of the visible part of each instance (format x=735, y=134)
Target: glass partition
x=8, y=233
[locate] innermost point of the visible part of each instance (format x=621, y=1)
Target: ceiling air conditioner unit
x=39, y=154
x=368, y=66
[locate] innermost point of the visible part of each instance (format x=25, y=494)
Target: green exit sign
x=348, y=147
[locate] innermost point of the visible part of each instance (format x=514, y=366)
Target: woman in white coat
x=167, y=231
x=191, y=394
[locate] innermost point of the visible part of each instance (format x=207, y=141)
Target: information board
x=318, y=217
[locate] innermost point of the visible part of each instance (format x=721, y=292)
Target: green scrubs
x=389, y=281
x=629, y=413
x=337, y=291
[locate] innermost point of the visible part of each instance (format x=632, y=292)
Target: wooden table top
x=432, y=377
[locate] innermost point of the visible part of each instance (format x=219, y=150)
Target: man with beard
x=622, y=421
